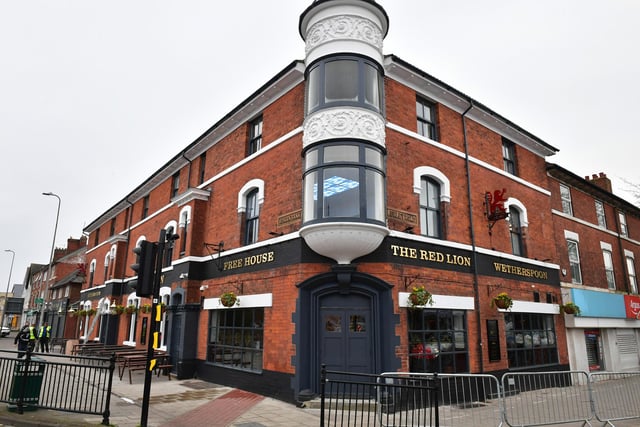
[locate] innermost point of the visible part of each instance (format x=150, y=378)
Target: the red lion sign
x=495, y=204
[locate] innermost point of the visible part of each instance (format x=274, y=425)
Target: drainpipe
x=189, y=170
x=474, y=264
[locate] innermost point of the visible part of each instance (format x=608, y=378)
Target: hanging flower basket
x=570, y=308
x=81, y=313
x=118, y=309
x=502, y=301
x=91, y=312
x=419, y=296
x=146, y=308
x=130, y=309
x=229, y=299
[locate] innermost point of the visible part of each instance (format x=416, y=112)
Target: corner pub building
x=321, y=201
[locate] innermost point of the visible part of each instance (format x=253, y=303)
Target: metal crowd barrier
x=616, y=396
x=544, y=398
x=47, y=381
x=519, y=399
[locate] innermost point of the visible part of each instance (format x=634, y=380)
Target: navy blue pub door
x=345, y=333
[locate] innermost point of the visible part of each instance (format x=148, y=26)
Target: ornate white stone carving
x=344, y=123
x=344, y=27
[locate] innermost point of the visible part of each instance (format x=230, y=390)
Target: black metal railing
x=56, y=382
x=348, y=399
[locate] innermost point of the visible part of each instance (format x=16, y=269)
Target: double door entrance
x=346, y=333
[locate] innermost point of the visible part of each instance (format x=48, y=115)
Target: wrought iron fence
x=350, y=399
x=79, y=385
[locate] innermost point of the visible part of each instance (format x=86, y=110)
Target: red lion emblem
x=495, y=204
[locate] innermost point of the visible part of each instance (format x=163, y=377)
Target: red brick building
x=597, y=239
x=321, y=202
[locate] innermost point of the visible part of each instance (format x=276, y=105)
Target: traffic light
x=144, y=267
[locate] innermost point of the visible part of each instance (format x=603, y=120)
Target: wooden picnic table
x=138, y=362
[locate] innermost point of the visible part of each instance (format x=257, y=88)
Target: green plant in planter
x=81, y=313
x=146, y=308
x=419, y=296
x=119, y=309
x=229, y=299
x=91, y=311
x=130, y=309
x=502, y=300
x=570, y=308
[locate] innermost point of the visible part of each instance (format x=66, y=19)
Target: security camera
x=203, y=287
x=184, y=275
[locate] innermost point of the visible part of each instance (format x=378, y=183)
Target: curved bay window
x=438, y=341
x=344, y=181
x=531, y=340
x=236, y=338
x=344, y=80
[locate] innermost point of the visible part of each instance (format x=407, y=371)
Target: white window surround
x=246, y=189
x=628, y=254
x=107, y=257
x=92, y=266
x=524, y=218
x=439, y=177
x=140, y=239
x=173, y=224
x=185, y=216
x=570, y=235
x=132, y=299
x=606, y=246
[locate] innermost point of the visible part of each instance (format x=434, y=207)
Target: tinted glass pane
x=372, y=85
x=341, y=192
x=311, y=159
x=373, y=157
x=341, y=81
x=310, y=196
x=313, y=89
x=341, y=153
x=375, y=195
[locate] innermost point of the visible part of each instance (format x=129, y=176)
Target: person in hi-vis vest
x=44, y=335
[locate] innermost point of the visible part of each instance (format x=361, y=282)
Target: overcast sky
x=96, y=96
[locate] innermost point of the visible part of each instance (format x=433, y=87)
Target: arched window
x=185, y=220
x=250, y=197
x=252, y=218
x=132, y=300
x=106, y=266
x=170, y=230
x=434, y=189
x=430, y=223
x=92, y=272
x=518, y=222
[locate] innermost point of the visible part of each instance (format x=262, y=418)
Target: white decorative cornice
x=191, y=194
x=344, y=27
x=344, y=123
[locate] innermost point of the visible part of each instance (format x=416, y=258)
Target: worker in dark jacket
x=23, y=339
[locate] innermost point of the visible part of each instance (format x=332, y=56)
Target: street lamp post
x=6, y=294
x=53, y=247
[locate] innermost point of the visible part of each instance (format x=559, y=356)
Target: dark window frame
x=175, y=184
x=236, y=338
x=251, y=217
x=515, y=232
x=509, y=159
x=523, y=352
x=316, y=84
x=370, y=170
x=254, y=142
x=431, y=329
x=426, y=122
x=430, y=211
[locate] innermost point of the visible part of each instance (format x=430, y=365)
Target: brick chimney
x=601, y=181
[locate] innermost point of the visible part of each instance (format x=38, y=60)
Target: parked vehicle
x=5, y=331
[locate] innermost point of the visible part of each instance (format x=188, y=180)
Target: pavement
x=189, y=402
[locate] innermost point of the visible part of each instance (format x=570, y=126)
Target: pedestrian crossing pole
x=153, y=341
